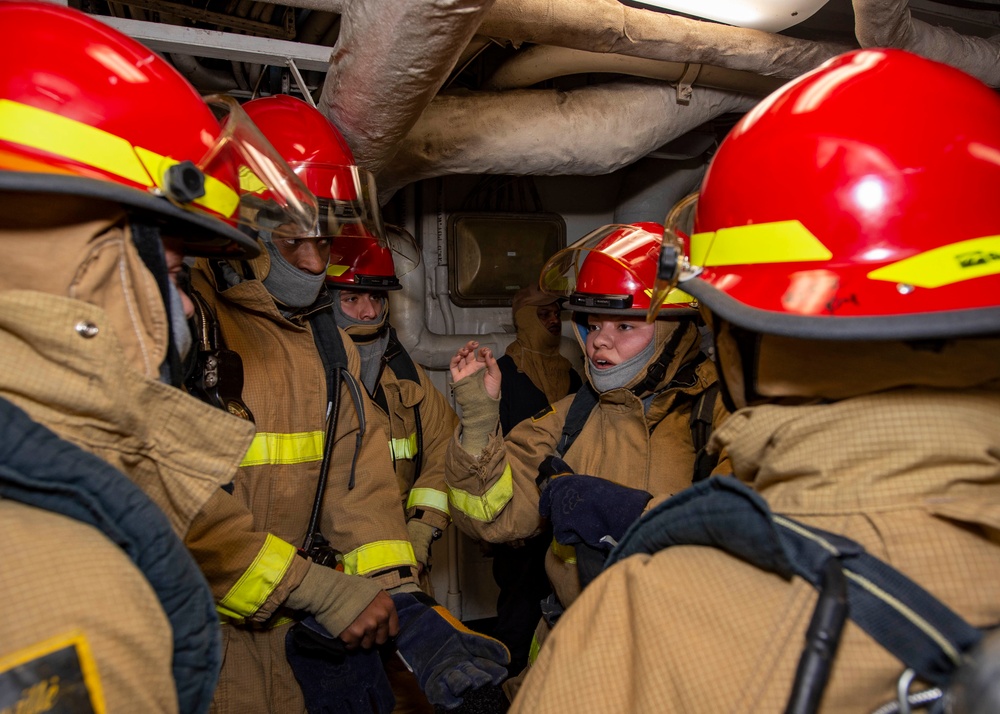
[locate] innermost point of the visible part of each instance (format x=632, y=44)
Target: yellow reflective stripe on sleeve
x=534, y=649
x=428, y=498
x=336, y=271
x=778, y=242
x=486, y=507
x=405, y=448
x=565, y=553
x=259, y=580
x=946, y=265
x=297, y=448
x=380, y=555
x=88, y=145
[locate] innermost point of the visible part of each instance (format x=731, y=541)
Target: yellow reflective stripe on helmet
x=761, y=243
x=259, y=580
x=380, y=555
x=673, y=297
x=88, y=145
x=296, y=448
x=486, y=507
x=565, y=553
x=405, y=448
x=218, y=196
x=428, y=498
x=335, y=271
x=68, y=138
x=946, y=265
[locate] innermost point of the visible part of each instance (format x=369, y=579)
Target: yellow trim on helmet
x=760, y=243
x=259, y=580
x=294, y=448
x=335, y=271
x=85, y=144
x=674, y=297
x=946, y=265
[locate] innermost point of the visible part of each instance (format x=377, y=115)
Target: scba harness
x=917, y=628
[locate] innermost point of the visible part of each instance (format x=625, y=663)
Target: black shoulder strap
x=702, y=418
x=398, y=359
x=917, y=628
x=583, y=403
x=334, y=355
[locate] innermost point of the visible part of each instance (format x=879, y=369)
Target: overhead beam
x=222, y=45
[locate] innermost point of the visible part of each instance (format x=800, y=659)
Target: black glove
x=590, y=510
x=334, y=680
x=448, y=659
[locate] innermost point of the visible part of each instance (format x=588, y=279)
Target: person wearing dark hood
x=641, y=418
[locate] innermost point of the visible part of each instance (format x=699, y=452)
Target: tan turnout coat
x=913, y=475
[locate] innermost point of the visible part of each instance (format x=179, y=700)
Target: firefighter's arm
x=250, y=572
x=427, y=501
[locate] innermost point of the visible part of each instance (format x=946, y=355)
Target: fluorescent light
x=769, y=15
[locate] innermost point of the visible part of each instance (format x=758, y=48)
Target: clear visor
x=268, y=186
x=620, y=244
x=405, y=253
x=347, y=198
x=674, y=264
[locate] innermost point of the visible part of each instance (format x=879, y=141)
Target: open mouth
x=601, y=363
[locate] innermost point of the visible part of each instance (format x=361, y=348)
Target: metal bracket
x=300, y=81
x=684, y=88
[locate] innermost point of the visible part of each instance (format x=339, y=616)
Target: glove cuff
x=480, y=412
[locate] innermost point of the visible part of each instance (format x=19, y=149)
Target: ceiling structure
x=425, y=88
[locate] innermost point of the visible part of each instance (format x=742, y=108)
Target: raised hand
x=470, y=359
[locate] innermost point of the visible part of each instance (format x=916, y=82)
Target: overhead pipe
x=543, y=62
x=584, y=132
x=888, y=23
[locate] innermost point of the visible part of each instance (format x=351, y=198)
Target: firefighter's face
x=365, y=306
x=611, y=342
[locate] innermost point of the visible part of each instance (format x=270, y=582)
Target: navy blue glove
x=333, y=679
x=448, y=659
x=590, y=510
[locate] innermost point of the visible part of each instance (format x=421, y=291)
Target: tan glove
x=332, y=597
x=421, y=536
x=480, y=412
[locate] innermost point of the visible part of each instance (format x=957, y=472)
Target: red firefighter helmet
x=612, y=270
x=359, y=262
x=869, y=225
x=85, y=110
x=316, y=151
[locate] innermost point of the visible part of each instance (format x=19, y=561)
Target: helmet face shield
x=268, y=186
x=348, y=200
x=611, y=270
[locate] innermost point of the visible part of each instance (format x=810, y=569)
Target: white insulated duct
x=589, y=131
x=390, y=59
x=888, y=23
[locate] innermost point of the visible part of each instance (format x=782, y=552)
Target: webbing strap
x=917, y=628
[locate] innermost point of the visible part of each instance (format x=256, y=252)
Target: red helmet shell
x=85, y=110
x=307, y=140
x=611, y=270
x=360, y=262
x=829, y=212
